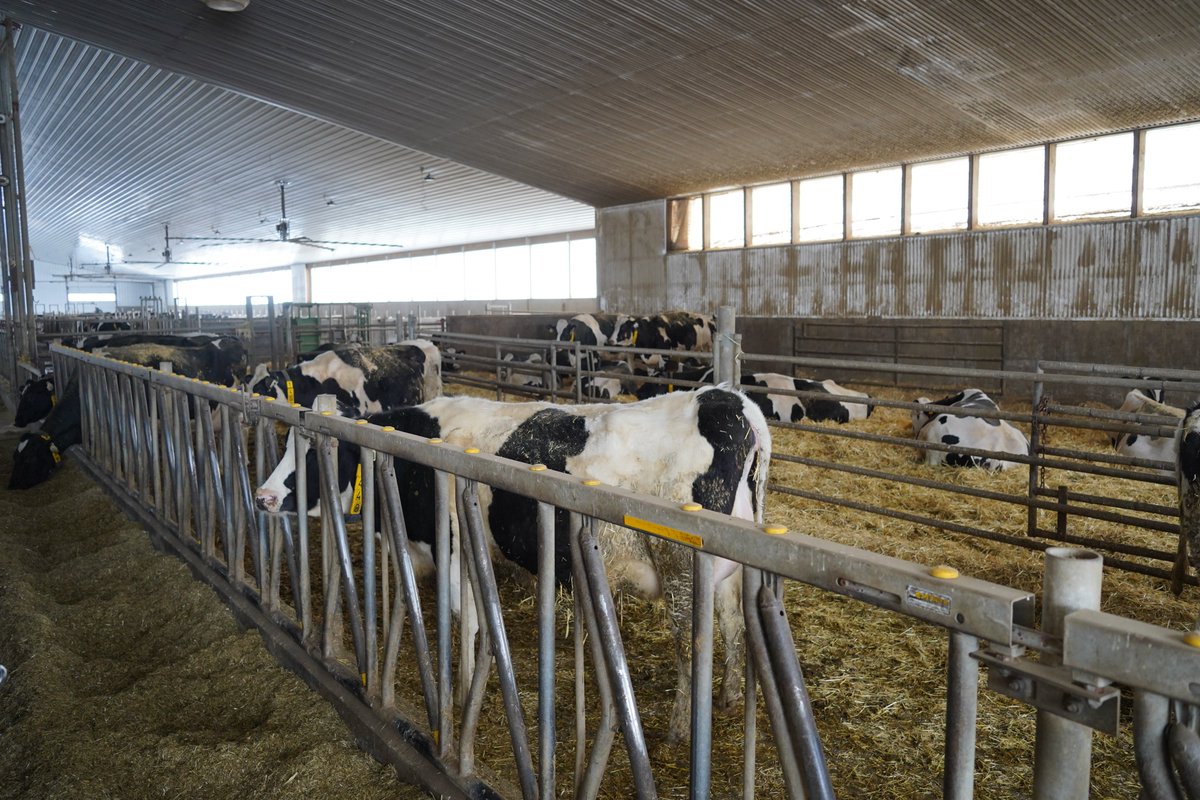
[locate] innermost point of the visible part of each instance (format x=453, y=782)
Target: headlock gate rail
x=175, y=452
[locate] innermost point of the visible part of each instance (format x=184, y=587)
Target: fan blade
x=304, y=240
x=350, y=244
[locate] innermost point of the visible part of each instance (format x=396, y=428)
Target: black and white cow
x=38, y=453
x=368, y=379
x=218, y=361
x=676, y=381
x=963, y=430
x=587, y=329
x=790, y=408
x=35, y=400
x=1140, y=445
x=673, y=330
x=520, y=377
x=607, y=387
x=710, y=446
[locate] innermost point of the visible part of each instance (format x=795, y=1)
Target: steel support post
x=366, y=463
x=962, y=703
x=327, y=463
x=1063, y=752
x=1035, y=444
x=723, y=349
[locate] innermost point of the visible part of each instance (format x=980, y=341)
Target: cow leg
x=674, y=564
x=728, y=602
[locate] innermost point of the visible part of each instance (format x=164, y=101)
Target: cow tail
x=760, y=451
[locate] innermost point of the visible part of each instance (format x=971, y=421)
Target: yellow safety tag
x=53, y=450
x=670, y=387
x=291, y=391
x=633, y=341
x=356, y=500
x=662, y=530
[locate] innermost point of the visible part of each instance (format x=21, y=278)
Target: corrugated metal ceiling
x=614, y=101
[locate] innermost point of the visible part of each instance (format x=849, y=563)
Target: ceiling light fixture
x=227, y=5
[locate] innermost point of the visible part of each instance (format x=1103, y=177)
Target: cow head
x=278, y=492
x=36, y=400
x=626, y=334
x=34, y=461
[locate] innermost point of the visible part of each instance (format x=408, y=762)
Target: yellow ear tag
x=356, y=500
x=291, y=392
x=53, y=401
x=633, y=341
x=572, y=337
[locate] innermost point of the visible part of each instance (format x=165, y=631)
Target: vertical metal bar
x=412, y=597
x=1063, y=751
x=371, y=667
x=702, y=674
x=726, y=324
x=578, y=374
x=587, y=783
x=545, y=595
x=618, y=668
x=499, y=641
x=300, y=443
x=797, y=707
x=962, y=702
x=499, y=391
x=329, y=492
x=1035, y=446
x=156, y=439
x=752, y=580
x=1151, y=716
x=441, y=492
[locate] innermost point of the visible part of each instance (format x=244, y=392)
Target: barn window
x=550, y=270
x=727, y=219
x=938, y=195
x=875, y=201
x=1092, y=178
x=92, y=297
x=451, y=276
x=583, y=267
x=480, y=270
x=422, y=276
x=232, y=290
x=771, y=214
x=512, y=273
x=1012, y=187
x=685, y=223
x=821, y=209
x=1171, y=169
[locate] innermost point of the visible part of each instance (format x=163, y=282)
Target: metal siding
x=1127, y=269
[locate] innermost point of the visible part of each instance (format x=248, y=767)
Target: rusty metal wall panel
x=1124, y=269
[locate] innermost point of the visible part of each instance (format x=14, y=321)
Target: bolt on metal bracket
x=1051, y=688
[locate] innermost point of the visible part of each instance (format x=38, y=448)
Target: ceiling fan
x=283, y=229
x=165, y=253
x=108, y=273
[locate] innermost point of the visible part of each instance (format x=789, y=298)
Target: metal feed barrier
x=175, y=453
